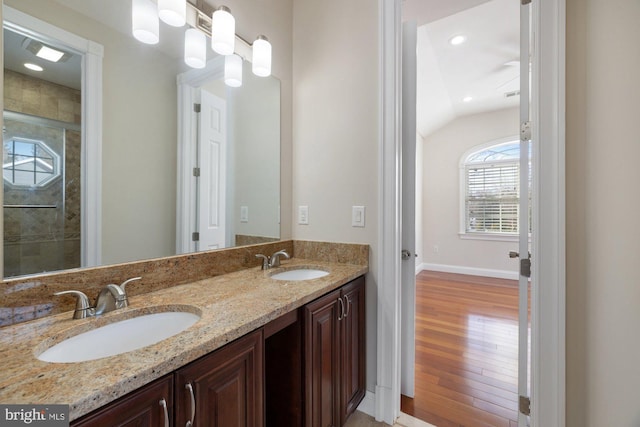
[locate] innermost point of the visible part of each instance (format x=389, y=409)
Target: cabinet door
x=322, y=362
x=353, y=345
x=226, y=386
x=141, y=408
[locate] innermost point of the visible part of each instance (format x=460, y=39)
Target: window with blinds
x=492, y=190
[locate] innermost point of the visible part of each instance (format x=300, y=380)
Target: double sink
x=147, y=327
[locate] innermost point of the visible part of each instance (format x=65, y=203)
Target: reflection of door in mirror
x=41, y=156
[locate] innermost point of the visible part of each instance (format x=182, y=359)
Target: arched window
x=491, y=190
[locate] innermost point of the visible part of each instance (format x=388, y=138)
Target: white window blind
x=491, y=200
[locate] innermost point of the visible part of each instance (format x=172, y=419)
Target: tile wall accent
x=25, y=94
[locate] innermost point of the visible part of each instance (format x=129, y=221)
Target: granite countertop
x=231, y=305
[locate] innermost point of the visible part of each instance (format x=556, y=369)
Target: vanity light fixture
x=173, y=12
x=261, y=61
x=220, y=26
x=223, y=31
x=145, y=22
x=233, y=70
x=33, y=67
x=195, y=48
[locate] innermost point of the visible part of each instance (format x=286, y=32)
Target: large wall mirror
x=143, y=119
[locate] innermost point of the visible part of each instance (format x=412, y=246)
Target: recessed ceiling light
x=467, y=99
x=457, y=40
x=49, y=54
x=33, y=67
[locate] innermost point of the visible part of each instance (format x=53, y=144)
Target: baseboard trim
x=368, y=404
x=473, y=271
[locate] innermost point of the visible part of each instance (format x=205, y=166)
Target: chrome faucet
x=111, y=297
x=273, y=260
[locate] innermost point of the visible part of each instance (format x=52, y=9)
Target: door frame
x=186, y=211
x=548, y=215
x=91, y=127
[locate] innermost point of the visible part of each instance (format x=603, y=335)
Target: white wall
x=335, y=132
x=603, y=148
x=442, y=151
x=255, y=111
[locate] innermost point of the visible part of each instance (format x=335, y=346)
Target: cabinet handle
x=348, y=304
x=341, y=316
x=193, y=405
x=163, y=403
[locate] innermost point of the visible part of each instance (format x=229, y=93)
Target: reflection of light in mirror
x=50, y=54
x=173, y=12
x=195, y=48
x=233, y=70
x=261, y=57
x=145, y=22
x=223, y=31
x=33, y=67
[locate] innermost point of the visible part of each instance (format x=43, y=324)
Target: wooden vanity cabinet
x=310, y=363
x=226, y=386
x=142, y=407
x=334, y=355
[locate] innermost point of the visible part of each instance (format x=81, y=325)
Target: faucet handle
x=265, y=261
x=123, y=284
x=83, y=306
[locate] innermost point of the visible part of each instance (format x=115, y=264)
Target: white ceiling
x=478, y=68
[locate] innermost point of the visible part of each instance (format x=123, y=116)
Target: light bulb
x=261, y=57
x=223, y=31
x=173, y=12
x=145, y=23
x=233, y=70
x=195, y=48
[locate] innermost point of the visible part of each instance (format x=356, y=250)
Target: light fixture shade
x=233, y=70
x=173, y=12
x=195, y=48
x=223, y=31
x=145, y=22
x=261, y=57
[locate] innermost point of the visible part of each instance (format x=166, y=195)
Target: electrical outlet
x=244, y=213
x=436, y=249
x=357, y=216
x=303, y=215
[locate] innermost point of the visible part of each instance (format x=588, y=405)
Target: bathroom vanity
x=257, y=379
x=264, y=351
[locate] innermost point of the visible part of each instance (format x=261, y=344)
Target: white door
x=212, y=152
x=409, y=94
x=523, y=220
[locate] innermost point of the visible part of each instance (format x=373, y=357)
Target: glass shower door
x=36, y=221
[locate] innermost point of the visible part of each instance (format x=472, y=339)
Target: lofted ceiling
x=485, y=67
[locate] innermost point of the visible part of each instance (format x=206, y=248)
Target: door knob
x=407, y=255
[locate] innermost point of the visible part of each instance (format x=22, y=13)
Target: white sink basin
x=300, y=274
x=119, y=337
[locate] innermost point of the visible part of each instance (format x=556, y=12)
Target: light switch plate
x=303, y=215
x=244, y=213
x=357, y=216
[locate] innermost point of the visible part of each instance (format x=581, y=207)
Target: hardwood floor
x=466, y=351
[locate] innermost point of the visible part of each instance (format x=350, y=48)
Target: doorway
x=548, y=248
x=468, y=134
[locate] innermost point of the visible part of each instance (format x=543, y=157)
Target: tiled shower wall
x=44, y=239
